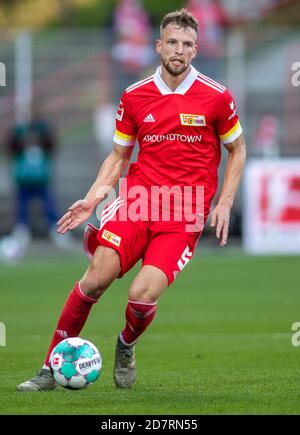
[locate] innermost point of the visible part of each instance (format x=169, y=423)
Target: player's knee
x=93, y=285
x=146, y=293
x=102, y=271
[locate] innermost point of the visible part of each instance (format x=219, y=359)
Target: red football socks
x=72, y=318
x=139, y=315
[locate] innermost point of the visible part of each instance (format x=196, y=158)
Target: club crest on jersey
x=192, y=120
x=111, y=237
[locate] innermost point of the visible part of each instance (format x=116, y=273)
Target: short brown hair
x=181, y=18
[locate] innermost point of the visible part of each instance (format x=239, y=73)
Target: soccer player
x=180, y=118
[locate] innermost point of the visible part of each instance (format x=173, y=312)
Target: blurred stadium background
x=64, y=56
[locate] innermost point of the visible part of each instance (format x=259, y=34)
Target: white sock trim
x=45, y=367
x=143, y=303
x=124, y=342
x=84, y=295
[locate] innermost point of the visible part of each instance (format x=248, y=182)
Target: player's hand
x=78, y=213
x=220, y=219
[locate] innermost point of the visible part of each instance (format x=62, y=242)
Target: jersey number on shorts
x=185, y=258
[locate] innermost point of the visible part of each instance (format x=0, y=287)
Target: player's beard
x=172, y=69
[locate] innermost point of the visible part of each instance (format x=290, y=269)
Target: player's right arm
x=108, y=176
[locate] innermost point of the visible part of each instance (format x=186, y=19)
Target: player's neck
x=173, y=81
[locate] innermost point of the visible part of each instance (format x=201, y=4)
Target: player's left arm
x=233, y=172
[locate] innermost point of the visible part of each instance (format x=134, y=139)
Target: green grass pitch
x=220, y=344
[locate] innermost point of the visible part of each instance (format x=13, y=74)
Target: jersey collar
x=182, y=88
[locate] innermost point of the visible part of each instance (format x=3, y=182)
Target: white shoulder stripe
x=210, y=85
x=213, y=82
x=141, y=82
x=138, y=86
x=109, y=214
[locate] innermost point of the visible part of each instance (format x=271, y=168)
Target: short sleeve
x=227, y=123
x=126, y=130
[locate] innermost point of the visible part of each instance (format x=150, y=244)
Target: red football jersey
x=179, y=133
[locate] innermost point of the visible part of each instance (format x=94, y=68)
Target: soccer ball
x=75, y=363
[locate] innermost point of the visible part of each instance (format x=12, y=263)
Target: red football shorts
x=165, y=245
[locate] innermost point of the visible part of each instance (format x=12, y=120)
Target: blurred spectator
x=31, y=146
x=132, y=54
x=104, y=124
x=212, y=19
x=132, y=51
x=247, y=11
x=266, y=142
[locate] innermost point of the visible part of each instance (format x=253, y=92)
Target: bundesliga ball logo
x=75, y=363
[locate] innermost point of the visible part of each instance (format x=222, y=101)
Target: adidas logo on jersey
x=149, y=118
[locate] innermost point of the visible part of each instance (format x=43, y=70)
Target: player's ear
x=158, y=46
x=195, y=51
